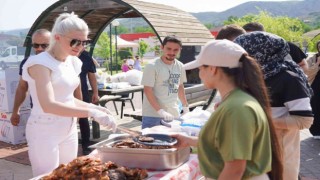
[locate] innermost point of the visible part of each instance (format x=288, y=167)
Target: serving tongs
x=133, y=133
x=159, y=139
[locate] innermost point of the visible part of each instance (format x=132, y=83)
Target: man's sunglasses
x=76, y=42
x=43, y=46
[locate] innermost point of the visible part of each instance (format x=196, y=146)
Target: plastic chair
x=123, y=100
x=106, y=98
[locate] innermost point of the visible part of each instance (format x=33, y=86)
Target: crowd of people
x=129, y=64
x=253, y=133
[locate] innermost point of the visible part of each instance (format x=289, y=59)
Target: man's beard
x=170, y=58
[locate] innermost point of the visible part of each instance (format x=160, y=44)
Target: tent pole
x=110, y=68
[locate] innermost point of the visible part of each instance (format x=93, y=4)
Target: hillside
x=304, y=10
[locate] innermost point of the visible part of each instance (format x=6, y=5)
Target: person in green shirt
x=238, y=141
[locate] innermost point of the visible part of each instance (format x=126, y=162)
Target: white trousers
x=52, y=140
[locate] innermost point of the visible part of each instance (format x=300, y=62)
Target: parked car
x=11, y=56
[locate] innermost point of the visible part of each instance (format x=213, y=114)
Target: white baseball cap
x=220, y=53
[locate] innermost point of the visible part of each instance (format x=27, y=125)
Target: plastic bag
x=134, y=77
x=193, y=121
x=118, y=85
x=120, y=77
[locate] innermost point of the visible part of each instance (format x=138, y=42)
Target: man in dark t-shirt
x=88, y=70
x=298, y=56
x=40, y=42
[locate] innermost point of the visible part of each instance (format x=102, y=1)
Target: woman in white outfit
x=52, y=77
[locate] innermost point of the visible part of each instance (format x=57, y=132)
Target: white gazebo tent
x=121, y=43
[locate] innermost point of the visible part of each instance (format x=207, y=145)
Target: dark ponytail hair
x=318, y=50
x=249, y=78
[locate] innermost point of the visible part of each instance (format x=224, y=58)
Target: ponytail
x=245, y=76
x=65, y=23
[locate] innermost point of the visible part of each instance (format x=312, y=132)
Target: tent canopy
x=121, y=43
x=164, y=20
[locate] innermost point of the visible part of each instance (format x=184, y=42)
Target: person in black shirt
x=315, y=100
x=40, y=42
x=289, y=92
x=88, y=70
x=298, y=56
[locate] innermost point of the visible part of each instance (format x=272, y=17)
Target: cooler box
x=9, y=80
x=13, y=134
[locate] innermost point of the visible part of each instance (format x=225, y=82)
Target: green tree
x=291, y=29
x=209, y=25
x=102, y=47
x=125, y=53
x=312, y=45
x=230, y=20
x=156, y=50
x=141, y=29
x=143, y=48
x=121, y=29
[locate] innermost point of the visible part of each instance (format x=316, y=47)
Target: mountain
x=17, y=32
x=304, y=10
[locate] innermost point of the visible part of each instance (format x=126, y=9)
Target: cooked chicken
x=88, y=168
x=130, y=143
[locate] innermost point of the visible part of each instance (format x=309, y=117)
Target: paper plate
x=159, y=140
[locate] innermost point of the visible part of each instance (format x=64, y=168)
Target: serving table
x=187, y=171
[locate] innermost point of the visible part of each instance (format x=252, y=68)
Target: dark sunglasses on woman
x=43, y=46
x=77, y=42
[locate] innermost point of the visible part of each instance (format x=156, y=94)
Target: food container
x=155, y=159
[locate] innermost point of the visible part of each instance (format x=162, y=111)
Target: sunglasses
x=77, y=42
x=43, y=46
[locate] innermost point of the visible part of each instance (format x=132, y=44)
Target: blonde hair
x=65, y=23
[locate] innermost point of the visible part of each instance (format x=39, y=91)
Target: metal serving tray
x=155, y=159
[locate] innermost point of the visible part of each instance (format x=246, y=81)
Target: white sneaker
x=316, y=137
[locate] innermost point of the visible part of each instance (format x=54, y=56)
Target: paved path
x=310, y=156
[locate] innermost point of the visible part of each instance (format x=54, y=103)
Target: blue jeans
x=148, y=122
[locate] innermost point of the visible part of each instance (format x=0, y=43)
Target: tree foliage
x=102, y=47
x=125, y=53
x=141, y=29
x=291, y=29
x=121, y=29
x=209, y=25
x=143, y=48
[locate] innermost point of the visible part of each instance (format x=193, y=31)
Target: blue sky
x=15, y=14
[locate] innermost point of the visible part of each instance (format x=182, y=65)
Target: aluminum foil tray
x=155, y=159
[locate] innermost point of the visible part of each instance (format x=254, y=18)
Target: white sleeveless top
x=64, y=78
